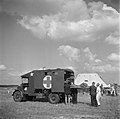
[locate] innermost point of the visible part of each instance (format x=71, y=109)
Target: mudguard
x=17, y=90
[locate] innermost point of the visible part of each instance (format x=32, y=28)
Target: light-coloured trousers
x=98, y=98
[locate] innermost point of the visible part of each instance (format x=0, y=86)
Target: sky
x=82, y=35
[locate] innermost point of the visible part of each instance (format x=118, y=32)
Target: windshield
x=24, y=80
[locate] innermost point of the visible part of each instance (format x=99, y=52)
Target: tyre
x=17, y=96
x=54, y=98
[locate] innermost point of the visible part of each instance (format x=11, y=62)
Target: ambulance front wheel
x=17, y=96
x=54, y=98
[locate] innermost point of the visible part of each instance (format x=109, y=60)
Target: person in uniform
x=67, y=92
x=92, y=90
x=102, y=89
x=74, y=93
x=115, y=87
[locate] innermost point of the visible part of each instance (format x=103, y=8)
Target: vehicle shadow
x=84, y=103
x=36, y=100
x=41, y=100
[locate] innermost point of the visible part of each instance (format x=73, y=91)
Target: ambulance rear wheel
x=54, y=98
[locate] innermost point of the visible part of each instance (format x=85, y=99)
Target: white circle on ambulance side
x=47, y=82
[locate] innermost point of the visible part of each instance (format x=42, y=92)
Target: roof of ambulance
x=26, y=75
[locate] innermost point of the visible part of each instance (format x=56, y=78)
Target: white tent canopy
x=89, y=78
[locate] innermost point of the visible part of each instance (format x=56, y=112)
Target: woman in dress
x=98, y=95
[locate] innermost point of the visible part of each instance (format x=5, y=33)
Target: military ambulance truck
x=48, y=84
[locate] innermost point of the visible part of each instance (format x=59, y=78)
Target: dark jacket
x=74, y=91
x=67, y=89
x=92, y=90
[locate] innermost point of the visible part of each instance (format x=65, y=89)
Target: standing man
x=74, y=93
x=115, y=87
x=102, y=89
x=93, y=94
x=67, y=92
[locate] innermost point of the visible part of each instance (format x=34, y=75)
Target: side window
x=46, y=73
x=24, y=80
x=55, y=73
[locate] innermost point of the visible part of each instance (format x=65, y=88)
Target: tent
x=89, y=78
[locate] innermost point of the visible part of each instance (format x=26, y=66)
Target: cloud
x=101, y=68
x=36, y=25
x=112, y=3
x=114, y=57
x=89, y=55
x=96, y=65
x=113, y=38
x=2, y=67
x=74, y=10
x=73, y=54
x=75, y=21
x=105, y=7
x=98, y=60
x=87, y=61
x=95, y=6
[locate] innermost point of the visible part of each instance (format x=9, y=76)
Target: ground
x=109, y=109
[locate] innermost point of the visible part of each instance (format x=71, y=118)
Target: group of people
x=95, y=93
x=95, y=90
x=113, y=90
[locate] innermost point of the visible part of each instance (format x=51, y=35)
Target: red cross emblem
x=47, y=82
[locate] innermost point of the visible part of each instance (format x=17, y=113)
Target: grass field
x=109, y=109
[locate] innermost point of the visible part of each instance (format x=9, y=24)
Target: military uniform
x=67, y=92
x=93, y=95
x=74, y=95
